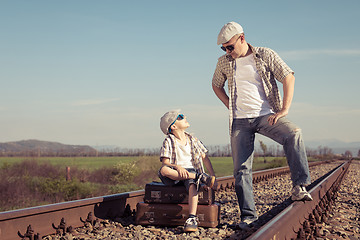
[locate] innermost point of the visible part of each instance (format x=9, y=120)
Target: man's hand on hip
x=275, y=117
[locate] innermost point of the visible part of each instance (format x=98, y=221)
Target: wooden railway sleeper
x=317, y=232
x=312, y=220
x=313, y=225
x=307, y=228
x=90, y=222
x=128, y=212
x=110, y=214
x=300, y=234
x=62, y=229
x=228, y=187
x=321, y=205
x=316, y=216
x=29, y=234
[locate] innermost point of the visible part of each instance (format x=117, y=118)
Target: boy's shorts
x=170, y=182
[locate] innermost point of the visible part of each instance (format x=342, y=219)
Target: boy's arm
x=209, y=167
x=182, y=171
x=166, y=162
x=208, y=164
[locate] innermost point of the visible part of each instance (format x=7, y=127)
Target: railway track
x=33, y=223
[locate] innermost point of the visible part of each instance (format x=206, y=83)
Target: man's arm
x=221, y=94
x=288, y=90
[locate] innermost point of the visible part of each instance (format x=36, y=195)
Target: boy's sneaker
x=191, y=224
x=207, y=179
x=299, y=193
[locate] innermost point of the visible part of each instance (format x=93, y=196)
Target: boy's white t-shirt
x=250, y=98
x=183, y=154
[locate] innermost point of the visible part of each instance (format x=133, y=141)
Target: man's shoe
x=246, y=223
x=191, y=224
x=207, y=179
x=299, y=193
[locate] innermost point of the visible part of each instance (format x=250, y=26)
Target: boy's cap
x=228, y=31
x=167, y=119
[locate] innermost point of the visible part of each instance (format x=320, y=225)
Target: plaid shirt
x=197, y=150
x=269, y=66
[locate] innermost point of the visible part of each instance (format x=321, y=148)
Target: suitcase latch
x=201, y=195
x=169, y=195
x=156, y=194
x=149, y=216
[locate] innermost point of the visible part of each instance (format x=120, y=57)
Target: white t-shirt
x=183, y=154
x=250, y=98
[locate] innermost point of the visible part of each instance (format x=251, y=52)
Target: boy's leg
x=193, y=199
x=191, y=224
x=173, y=174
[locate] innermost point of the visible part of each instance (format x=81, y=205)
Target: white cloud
x=86, y=102
x=309, y=53
x=324, y=111
x=326, y=122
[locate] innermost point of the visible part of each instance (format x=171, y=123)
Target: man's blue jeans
x=242, y=145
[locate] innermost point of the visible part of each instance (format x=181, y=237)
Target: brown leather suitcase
x=157, y=192
x=163, y=214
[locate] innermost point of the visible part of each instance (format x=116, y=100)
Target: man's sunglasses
x=230, y=47
x=179, y=117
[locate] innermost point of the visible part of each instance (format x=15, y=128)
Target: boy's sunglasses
x=179, y=117
x=230, y=47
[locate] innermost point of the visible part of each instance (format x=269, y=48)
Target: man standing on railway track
x=255, y=106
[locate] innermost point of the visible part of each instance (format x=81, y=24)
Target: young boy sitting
x=182, y=156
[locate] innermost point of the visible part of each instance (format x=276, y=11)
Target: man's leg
x=242, y=146
x=289, y=135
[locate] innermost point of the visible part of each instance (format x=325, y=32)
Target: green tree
x=348, y=154
x=124, y=173
x=264, y=149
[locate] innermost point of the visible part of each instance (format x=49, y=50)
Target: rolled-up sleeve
x=219, y=77
x=201, y=146
x=279, y=68
x=165, y=150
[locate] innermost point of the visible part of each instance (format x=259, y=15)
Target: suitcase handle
x=182, y=216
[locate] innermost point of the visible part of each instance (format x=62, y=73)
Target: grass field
x=89, y=163
x=223, y=166
x=28, y=182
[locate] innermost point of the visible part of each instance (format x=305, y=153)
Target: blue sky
x=103, y=72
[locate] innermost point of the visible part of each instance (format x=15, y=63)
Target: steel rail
x=46, y=219
x=295, y=220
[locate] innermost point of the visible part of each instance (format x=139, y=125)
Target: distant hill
x=337, y=146
x=37, y=146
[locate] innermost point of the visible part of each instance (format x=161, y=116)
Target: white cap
x=228, y=31
x=167, y=119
